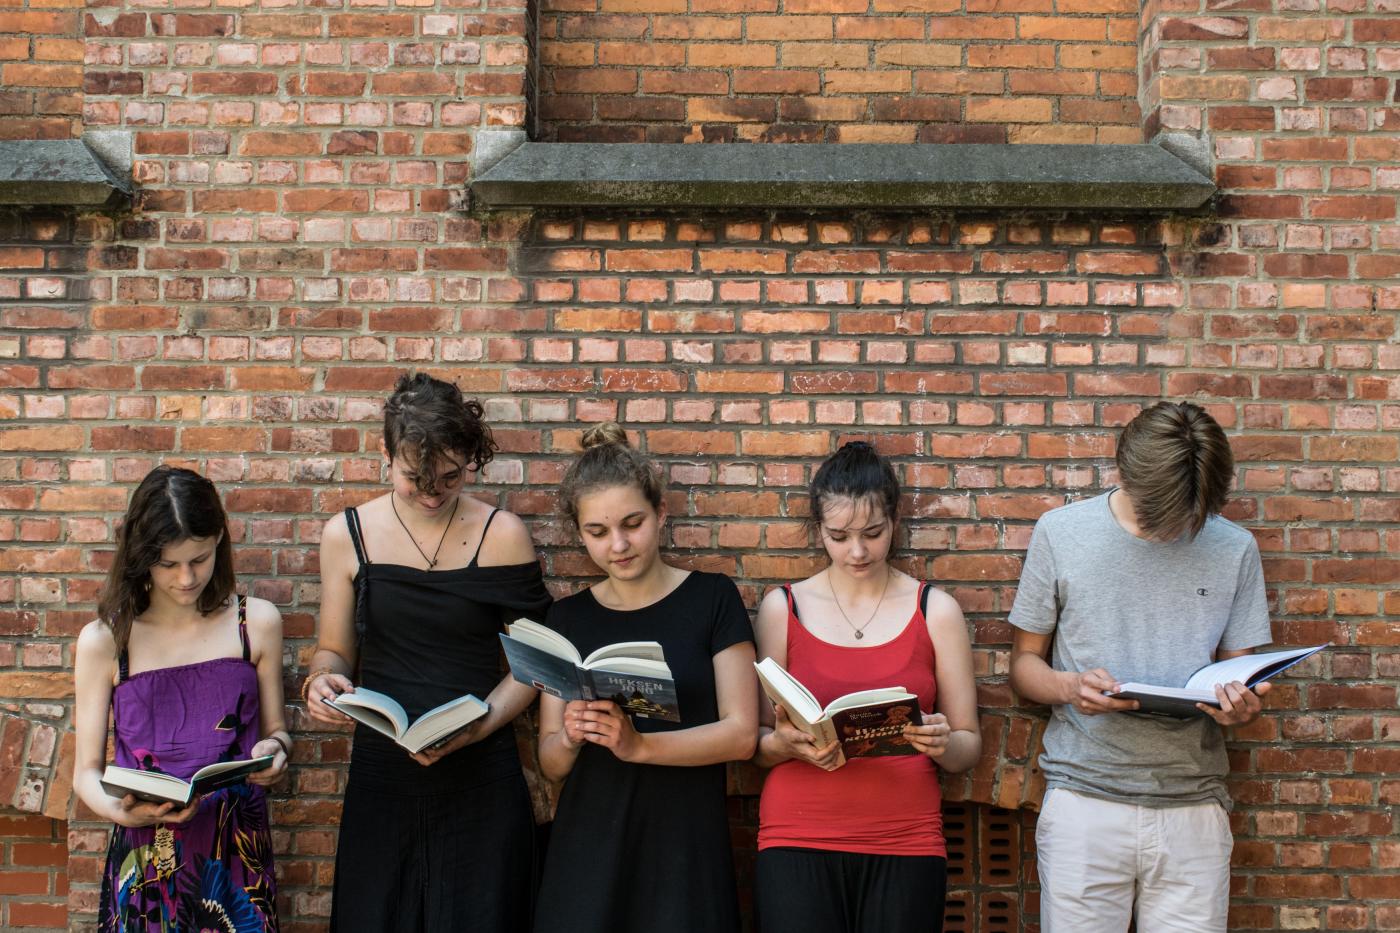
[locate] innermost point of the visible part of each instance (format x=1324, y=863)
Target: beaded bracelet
x=306, y=684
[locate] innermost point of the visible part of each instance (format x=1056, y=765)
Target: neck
x=1121, y=505
x=645, y=589
x=162, y=612
x=870, y=585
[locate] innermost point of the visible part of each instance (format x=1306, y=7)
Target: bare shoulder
x=263, y=616
x=96, y=641
x=507, y=541
x=943, y=612
x=336, y=532
x=773, y=603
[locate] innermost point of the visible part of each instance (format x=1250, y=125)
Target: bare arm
x=1033, y=678
x=95, y=666
x=951, y=735
x=778, y=739
x=265, y=636
x=335, y=654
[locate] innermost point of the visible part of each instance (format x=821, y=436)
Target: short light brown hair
x=1174, y=461
x=607, y=461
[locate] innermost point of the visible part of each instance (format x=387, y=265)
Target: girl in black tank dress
x=641, y=840
x=415, y=587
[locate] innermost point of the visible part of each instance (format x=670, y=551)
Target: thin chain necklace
x=432, y=561
x=859, y=630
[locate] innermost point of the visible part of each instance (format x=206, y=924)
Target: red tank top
x=877, y=806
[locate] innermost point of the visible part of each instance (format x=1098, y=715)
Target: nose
x=619, y=541
x=858, y=548
x=187, y=576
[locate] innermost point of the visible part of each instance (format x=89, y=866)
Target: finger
x=1261, y=689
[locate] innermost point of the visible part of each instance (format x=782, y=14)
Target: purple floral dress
x=213, y=873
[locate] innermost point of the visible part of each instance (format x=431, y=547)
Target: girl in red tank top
x=855, y=844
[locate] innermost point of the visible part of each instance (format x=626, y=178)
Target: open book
x=633, y=674
x=382, y=713
x=869, y=723
x=164, y=788
x=1248, y=669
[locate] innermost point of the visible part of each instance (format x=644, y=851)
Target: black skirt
x=419, y=864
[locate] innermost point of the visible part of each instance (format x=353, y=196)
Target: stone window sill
x=1143, y=177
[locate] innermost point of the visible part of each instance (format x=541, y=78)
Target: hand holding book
x=792, y=742
x=601, y=722
x=134, y=813
x=931, y=736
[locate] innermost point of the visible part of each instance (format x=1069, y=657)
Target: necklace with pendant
x=859, y=629
x=432, y=561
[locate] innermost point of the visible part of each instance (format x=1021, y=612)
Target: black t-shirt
x=643, y=847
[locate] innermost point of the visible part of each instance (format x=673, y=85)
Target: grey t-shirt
x=1144, y=611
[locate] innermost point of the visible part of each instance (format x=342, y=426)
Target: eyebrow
x=626, y=518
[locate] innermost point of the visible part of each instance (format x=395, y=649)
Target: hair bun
x=860, y=446
x=609, y=432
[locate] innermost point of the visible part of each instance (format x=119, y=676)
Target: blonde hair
x=609, y=460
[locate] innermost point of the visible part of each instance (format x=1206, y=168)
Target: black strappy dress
x=450, y=846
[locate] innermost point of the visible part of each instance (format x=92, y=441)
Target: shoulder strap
x=791, y=601
x=243, y=627
x=923, y=599
x=123, y=666
x=484, y=528
x=352, y=521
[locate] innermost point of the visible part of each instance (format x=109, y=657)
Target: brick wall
x=41, y=70
x=33, y=876
x=889, y=71
x=296, y=244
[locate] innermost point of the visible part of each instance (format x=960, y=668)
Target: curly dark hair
x=427, y=418
x=170, y=505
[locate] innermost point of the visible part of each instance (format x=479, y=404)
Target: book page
x=376, y=710
x=645, y=650
x=1247, y=666
x=544, y=638
x=441, y=721
x=788, y=691
x=868, y=698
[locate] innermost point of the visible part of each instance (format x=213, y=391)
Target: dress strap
x=484, y=528
x=352, y=521
x=791, y=601
x=243, y=627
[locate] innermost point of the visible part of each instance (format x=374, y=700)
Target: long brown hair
x=171, y=505
x=607, y=461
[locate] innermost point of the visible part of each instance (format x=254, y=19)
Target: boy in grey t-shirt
x=1144, y=583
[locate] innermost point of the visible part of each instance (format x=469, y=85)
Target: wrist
x=638, y=750
x=1069, y=687
x=311, y=678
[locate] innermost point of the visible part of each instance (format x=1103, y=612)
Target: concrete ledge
x=57, y=172
x=1124, y=177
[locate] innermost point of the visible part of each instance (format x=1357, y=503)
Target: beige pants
x=1098, y=857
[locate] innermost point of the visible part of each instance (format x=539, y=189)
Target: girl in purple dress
x=190, y=673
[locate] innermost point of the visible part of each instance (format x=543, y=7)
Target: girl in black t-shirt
x=641, y=840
